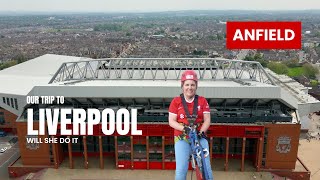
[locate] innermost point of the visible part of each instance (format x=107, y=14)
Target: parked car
x=2, y=133
x=2, y=150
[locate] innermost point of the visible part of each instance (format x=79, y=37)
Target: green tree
x=292, y=63
x=248, y=58
x=211, y=37
x=314, y=83
x=7, y=64
x=310, y=71
x=20, y=58
x=278, y=68
x=200, y=53
x=219, y=37
x=108, y=27
x=257, y=57
x=264, y=63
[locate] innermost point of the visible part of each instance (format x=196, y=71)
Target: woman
x=179, y=121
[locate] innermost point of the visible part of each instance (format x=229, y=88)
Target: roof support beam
x=224, y=103
x=75, y=101
x=124, y=68
x=239, y=103
x=119, y=102
x=149, y=103
x=255, y=103
x=91, y=102
x=163, y=103
x=105, y=102
x=66, y=101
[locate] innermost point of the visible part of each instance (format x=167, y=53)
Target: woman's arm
x=174, y=123
x=206, y=122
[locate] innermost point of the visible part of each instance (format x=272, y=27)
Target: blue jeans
x=182, y=153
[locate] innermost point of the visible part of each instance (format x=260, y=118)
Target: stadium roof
x=21, y=78
x=138, y=78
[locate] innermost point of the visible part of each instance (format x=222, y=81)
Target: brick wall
x=10, y=119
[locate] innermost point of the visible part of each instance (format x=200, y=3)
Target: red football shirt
x=176, y=108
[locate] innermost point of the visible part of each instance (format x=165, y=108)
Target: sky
x=153, y=5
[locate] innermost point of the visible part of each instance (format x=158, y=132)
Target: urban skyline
x=152, y=6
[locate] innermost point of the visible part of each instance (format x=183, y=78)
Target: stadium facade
x=256, y=114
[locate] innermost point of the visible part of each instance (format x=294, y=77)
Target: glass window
x=77, y=147
x=107, y=143
x=91, y=141
x=8, y=102
x=4, y=100
x=12, y=105
x=16, y=103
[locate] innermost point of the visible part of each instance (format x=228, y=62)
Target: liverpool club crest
x=284, y=144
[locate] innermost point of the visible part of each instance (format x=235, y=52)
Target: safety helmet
x=189, y=75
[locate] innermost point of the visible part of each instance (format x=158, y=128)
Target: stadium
x=256, y=115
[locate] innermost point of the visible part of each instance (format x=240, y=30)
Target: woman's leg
x=182, y=153
x=204, y=144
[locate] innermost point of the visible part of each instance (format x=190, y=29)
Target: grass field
x=296, y=71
